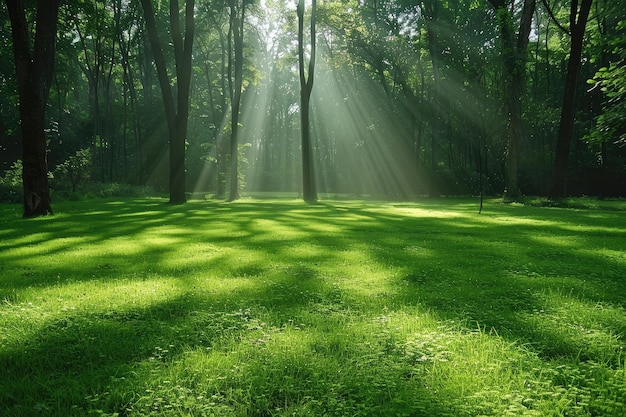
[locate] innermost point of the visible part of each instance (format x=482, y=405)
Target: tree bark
x=34, y=76
x=578, y=23
x=309, y=188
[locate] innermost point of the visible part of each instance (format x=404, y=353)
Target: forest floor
x=271, y=307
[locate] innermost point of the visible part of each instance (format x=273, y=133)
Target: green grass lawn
x=345, y=308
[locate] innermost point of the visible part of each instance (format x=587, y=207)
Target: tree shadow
x=499, y=271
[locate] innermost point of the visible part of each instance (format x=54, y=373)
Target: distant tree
x=309, y=190
x=95, y=31
x=177, y=113
x=513, y=52
x=578, y=22
x=127, y=16
x=34, y=70
x=212, y=55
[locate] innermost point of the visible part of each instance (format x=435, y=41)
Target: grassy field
x=345, y=308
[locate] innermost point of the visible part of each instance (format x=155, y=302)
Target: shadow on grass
x=510, y=269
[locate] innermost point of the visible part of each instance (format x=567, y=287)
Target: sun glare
x=360, y=148
x=366, y=143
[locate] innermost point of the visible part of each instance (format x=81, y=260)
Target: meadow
x=271, y=307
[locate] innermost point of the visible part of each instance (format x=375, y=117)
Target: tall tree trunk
x=34, y=76
x=183, y=51
x=432, y=9
x=177, y=113
x=514, y=59
x=309, y=189
x=237, y=16
x=578, y=23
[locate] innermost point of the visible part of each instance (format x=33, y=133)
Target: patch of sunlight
x=520, y=221
x=37, y=307
x=585, y=327
x=616, y=256
x=404, y=323
x=279, y=228
x=96, y=213
x=324, y=227
x=541, y=223
x=181, y=260
x=367, y=283
x=419, y=251
x=144, y=214
x=423, y=212
x=608, y=230
x=92, y=295
x=24, y=253
x=162, y=239
x=476, y=371
x=31, y=239
x=552, y=240
x=307, y=251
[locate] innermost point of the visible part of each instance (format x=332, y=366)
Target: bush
x=11, y=184
x=116, y=190
x=103, y=190
x=74, y=170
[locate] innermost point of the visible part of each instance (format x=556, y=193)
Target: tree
x=96, y=32
x=578, y=22
x=212, y=43
x=177, y=113
x=513, y=54
x=34, y=71
x=237, y=17
x=309, y=190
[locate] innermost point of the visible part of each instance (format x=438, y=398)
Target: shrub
x=75, y=170
x=11, y=184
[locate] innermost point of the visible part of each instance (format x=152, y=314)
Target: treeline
x=410, y=97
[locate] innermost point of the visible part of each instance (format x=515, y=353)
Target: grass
x=346, y=308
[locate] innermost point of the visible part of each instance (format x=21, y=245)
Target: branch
x=313, y=46
x=177, y=37
x=159, y=60
x=553, y=17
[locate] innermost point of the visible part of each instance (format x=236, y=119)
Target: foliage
x=11, y=184
x=243, y=165
x=13, y=176
x=75, y=170
x=407, y=93
x=610, y=125
x=271, y=307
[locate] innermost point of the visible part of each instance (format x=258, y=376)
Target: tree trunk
x=309, y=188
x=34, y=76
x=436, y=109
x=558, y=181
x=514, y=59
x=237, y=20
x=177, y=114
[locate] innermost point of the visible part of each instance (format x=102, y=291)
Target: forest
x=403, y=98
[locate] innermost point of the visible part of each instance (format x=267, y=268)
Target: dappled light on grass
x=275, y=307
